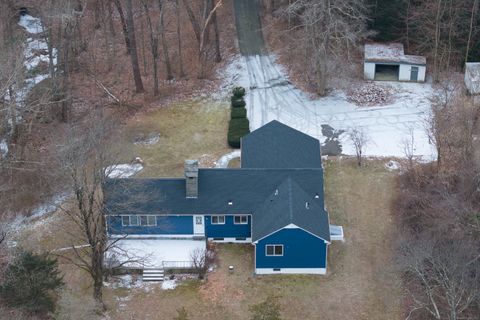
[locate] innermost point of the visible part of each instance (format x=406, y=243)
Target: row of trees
x=446, y=31
x=437, y=208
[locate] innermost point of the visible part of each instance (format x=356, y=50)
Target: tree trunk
x=179, y=38
x=118, y=5
x=154, y=48
x=218, y=56
x=472, y=17
x=133, y=49
x=166, y=56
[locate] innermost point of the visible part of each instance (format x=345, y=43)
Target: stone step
x=153, y=274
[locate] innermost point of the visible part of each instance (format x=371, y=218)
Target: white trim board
x=291, y=226
x=291, y=271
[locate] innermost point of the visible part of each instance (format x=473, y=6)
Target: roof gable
x=290, y=204
x=276, y=145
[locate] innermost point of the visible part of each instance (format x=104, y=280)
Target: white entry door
x=198, y=225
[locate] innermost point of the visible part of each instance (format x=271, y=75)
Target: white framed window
x=240, y=219
x=134, y=220
x=125, y=221
x=147, y=221
x=218, y=219
x=274, y=250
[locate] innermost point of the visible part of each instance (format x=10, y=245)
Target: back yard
x=360, y=283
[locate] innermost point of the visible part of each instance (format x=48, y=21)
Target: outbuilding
x=388, y=62
x=472, y=77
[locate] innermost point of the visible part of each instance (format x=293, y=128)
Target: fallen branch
x=101, y=86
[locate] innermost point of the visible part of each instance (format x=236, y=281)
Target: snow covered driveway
x=270, y=96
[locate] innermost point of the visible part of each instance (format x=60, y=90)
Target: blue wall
x=227, y=230
x=300, y=250
x=165, y=225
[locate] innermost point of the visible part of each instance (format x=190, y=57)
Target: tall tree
x=133, y=48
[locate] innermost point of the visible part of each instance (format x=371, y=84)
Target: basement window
x=218, y=239
x=277, y=269
x=274, y=250
x=218, y=219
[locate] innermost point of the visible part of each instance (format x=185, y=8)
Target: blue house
x=275, y=201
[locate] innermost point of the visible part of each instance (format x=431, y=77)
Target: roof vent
x=276, y=192
x=307, y=205
x=230, y=202
x=317, y=196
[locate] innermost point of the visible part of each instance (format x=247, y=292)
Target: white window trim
x=123, y=216
x=273, y=255
x=130, y=221
x=218, y=217
x=240, y=216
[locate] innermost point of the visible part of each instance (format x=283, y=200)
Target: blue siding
x=229, y=229
x=165, y=225
x=300, y=250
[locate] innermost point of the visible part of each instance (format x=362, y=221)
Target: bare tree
x=359, y=139
x=329, y=30
x=442, y=277
x=202, y=259
x=200, y=29
x=85, y=157
x=409, y=147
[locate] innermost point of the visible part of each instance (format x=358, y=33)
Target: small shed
x=388, y=62
x=472, y=77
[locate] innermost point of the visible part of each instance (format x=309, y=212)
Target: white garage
x=388, y=62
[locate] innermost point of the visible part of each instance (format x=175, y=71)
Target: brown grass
x=360, y=283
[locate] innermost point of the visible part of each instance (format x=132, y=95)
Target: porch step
x=153, y=274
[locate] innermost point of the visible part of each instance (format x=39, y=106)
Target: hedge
x=238, y=127
x=238, y=103
x=238, y=113
x=238, y=92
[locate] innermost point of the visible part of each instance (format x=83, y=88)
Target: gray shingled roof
x=296, y=207
x=276, y=145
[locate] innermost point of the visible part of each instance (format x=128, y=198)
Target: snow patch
x=226, y=158
x=392, y=165
x=3, y=148
x=169, y=284
x=123, y=170
x=49, y=206
x=31, y=24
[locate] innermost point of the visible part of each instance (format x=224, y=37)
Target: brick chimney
x=191, y=178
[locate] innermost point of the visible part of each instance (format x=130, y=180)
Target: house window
x=125, y=221
x=148, y=221
x=133, y=220
x=198, y=220
x=218, y=219
x=274, y=250
x=241, y=219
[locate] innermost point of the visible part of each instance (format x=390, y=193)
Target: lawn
x=360, y=283
x=188, y=130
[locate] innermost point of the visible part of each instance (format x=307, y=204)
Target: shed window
x=218, y=219
x=274, y=250
x=125, y=221
x=241, y=219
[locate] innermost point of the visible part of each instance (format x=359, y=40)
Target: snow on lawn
x=270, y=96
x=123, y=170
x=152, y=253
x=226, y=158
